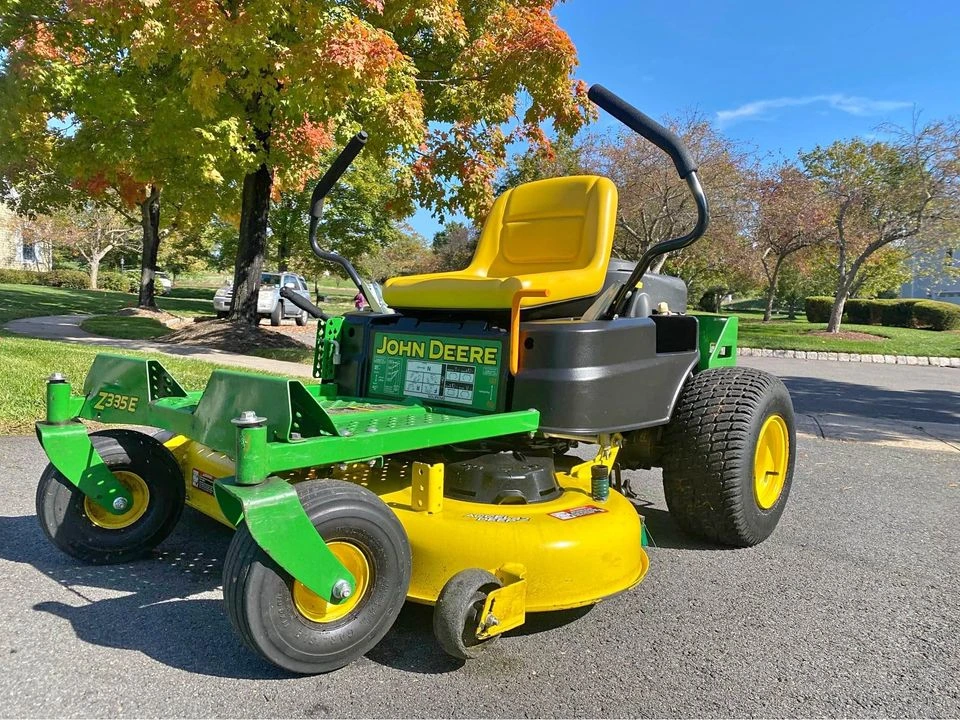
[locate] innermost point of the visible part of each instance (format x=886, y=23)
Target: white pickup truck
x=269, y=303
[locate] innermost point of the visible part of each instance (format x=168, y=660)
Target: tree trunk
x=836, y=312
x=150, y=223
x=95, y=259
x=283, y=252
x=772, y=290
x=251, y=245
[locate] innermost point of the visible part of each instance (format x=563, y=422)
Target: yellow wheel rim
x=139, y=496
x=770, y=461
x=315, y=608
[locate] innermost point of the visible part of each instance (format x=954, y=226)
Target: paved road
x=850, y=609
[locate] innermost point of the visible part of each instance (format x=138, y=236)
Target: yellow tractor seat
x=554, y=235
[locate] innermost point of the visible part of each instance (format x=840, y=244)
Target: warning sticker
x=577, y=512
x=202, y=481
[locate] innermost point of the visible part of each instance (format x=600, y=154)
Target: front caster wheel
x=457, y=613
x=83, y=529
x=728, y=455
x=297, y=630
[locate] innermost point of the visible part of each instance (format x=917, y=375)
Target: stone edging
x=852, y=357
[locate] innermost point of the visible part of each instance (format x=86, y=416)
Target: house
x=935, y=276
x=14, y=252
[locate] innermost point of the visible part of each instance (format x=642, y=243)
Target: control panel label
x=458, y=371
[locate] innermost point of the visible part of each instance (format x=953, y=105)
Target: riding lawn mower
x=428, y=461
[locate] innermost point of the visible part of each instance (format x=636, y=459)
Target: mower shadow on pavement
x=167, y=606
x=663, y=532
x=822, y=396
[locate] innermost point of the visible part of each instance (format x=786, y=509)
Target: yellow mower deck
x=573, y=551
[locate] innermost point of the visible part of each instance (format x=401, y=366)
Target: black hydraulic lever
x=333, y=173
x=646, y=126
x=301, y=302
x=683, y=161
x=320, y=192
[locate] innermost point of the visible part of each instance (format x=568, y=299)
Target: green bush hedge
x=117, y=281
x=909, y=313
x=21, y=277
x=72, y=279
x=818, y=309
x=936, y=315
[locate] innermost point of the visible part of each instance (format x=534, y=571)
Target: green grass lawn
x=795, y=335
x=26, y=363
x=19, y=301
x=119, y=326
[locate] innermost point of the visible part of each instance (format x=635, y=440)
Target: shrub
x=898, y=313
x=21, y=277
x=936, y=315
x=818, y=309
x=72, y=279
x=116, y=281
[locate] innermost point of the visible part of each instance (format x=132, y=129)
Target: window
x=29, y=252
x=269, y=279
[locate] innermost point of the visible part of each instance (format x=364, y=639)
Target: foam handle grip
x=339, y=166
x=646, y=126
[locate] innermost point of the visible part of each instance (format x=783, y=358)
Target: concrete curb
x=852, y=357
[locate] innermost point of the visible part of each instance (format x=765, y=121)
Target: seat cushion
x=554, y=234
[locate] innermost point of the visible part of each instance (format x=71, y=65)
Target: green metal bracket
x=327, y=348
x=70, y=451
x=277, y=521
x=718, y=341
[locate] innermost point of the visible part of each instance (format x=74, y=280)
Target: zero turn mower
x=427, y=461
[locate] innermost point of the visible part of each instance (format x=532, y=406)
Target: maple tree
x=282, y=81
x=886, y=194
x=80, y=122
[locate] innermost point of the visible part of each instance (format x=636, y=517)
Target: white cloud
x=850, y=104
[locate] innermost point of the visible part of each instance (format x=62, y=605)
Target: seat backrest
x=564, y=223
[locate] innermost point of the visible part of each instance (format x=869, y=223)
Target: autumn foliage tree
x=791, y=214
x=81, y=122
x=886, y=194
x=282, y=82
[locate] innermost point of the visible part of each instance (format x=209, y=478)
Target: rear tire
x=270, y=612
x=276, y=316
x=729, y=454
x=89, y=533
x=221, y=314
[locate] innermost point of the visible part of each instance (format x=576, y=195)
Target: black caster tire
x=302, y=318
x=290, y=627
x=276, y=316
x=457, y=613
x=729, y=454
x=81, y=528
x=221, y=315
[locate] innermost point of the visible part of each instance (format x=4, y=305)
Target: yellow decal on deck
x=108, y=400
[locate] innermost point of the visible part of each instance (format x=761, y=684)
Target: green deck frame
x=718, y=341
x=297, y=426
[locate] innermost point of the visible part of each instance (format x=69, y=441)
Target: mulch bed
x=235, y=337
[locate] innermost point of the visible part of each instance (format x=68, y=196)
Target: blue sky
x=780, y=75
